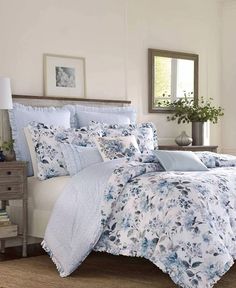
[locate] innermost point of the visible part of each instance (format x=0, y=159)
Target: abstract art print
x=64, y=76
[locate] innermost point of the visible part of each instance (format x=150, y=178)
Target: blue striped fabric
x=78, y=157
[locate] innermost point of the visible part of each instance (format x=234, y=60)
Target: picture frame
x=64, y=76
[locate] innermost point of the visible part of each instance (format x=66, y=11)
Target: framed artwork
x=64, y=76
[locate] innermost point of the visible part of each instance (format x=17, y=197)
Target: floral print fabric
x=117, y=147
x=213, y=160
x=184, y=222
x=145, y=133
x=47, y=140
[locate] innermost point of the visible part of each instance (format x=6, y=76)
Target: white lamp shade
x=5, y=93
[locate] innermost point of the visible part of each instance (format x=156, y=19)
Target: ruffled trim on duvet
x=58, y=264
x=159, y=264
x=53, y=258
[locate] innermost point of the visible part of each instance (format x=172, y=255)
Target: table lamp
x=5, y=102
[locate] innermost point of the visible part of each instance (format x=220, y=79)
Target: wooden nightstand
x=13, y=186
x=189, y=148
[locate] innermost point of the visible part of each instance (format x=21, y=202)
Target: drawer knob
x=8, y=172
x=9, y=188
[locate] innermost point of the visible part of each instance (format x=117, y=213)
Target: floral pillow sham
x=145, y=133
x=117, y=147
x=47, y=140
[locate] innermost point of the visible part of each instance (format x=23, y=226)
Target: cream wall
x=188, y=26
x=113, y=36
x=229, y=77
x=88, y=28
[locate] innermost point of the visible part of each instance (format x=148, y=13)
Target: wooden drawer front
x=8, y=231
x=10, y=175
x=11, y=191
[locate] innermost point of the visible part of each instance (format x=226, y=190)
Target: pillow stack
x=54, y=143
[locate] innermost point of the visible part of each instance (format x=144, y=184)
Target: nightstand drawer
x=13, y=185
x=10, y=191
x=9, y=175
x=8, y=231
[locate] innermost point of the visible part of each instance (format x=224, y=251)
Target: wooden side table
x=13, y=186
x=189, y=148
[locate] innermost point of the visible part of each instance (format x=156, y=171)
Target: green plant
x=7, y=146
x=187, y=110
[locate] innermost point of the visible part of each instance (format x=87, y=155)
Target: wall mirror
x=172, y=75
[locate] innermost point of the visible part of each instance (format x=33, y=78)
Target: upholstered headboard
x=57, y=102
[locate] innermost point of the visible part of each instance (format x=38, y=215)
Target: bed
x=125, y=197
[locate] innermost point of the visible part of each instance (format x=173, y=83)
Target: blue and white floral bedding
x=184, y=222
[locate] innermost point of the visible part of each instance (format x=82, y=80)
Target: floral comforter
x=184, y=222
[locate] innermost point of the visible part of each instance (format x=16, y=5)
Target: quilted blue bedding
x=184, y=222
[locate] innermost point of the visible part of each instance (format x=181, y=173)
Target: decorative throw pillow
x=20, y=116
x=180, y=161
x=145, y=133
x=78, y=158
x=47, y=140
x=117, y=147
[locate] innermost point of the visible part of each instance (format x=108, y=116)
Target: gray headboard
x=60, y=101
x=57, y=102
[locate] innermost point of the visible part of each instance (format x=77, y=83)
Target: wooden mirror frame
x=170, y=54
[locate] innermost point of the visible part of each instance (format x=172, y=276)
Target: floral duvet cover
x=184, y=222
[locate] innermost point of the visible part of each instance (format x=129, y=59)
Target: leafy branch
x=187, y=110
x=7, y=146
